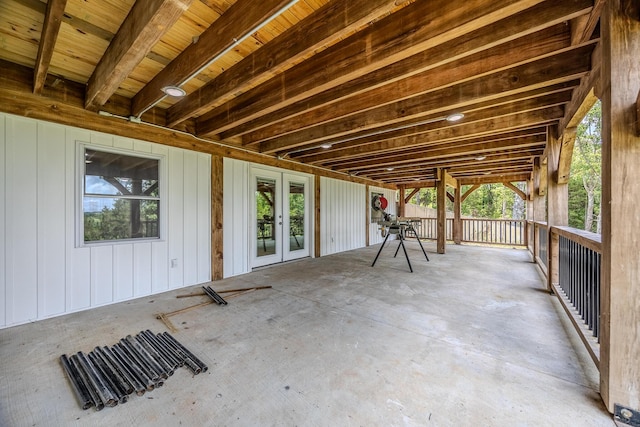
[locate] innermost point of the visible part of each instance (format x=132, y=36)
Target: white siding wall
x=342, y=216
x=236, y=217
x=374, y=231
x=42, y=272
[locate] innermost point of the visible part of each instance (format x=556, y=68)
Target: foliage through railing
x=478, y=230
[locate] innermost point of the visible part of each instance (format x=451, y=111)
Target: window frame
x=81, y=194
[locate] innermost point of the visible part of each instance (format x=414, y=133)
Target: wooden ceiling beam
x=537, y=133
x=503, y=160
x=486, y=127
x=336, y=19
x=462, y=157
x=481, y=111
x=495, y=179
x=476, y=124
x=582, y=27
x=535, y=19
x=524, y=49
x=238, y=21
x=545, y=72
x=48, y=37
x=441, y=151
x=584, y=96
x=406, y=32
x=145, y=24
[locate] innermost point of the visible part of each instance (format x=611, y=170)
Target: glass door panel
x=267, y=217
x=296, y=217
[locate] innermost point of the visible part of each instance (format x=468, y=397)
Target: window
x=120, y=196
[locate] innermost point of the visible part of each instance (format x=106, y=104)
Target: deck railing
x=479, y=230
x=574, y=276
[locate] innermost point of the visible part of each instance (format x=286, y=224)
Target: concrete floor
x=468, y=339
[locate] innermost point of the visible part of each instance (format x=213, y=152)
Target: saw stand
x=400, y=228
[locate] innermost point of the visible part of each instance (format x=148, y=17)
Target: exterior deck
x=470, y=338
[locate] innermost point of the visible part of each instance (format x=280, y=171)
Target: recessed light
x=325, y=146
x=389, y=169
x=174, y=91
x=455, y=117
x=480, y=157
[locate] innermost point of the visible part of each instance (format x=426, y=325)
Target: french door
x=280, y=217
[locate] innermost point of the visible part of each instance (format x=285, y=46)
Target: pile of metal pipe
x=107, y=376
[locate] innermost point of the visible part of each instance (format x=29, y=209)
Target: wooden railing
x=479, y=230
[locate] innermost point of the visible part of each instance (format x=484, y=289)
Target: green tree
x=585, y=183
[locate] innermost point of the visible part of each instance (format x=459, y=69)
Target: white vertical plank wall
x=42, y=271
x=342, y=216
x=3, y=234
x=235, y=217
x=374, y=231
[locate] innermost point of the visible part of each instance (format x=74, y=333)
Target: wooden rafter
x=50, y=29
x=142, y=28
x=526, y=23
x=523, y=49
x=241, y=18
x=567, y=66
x=336, y=19
x=379, y=45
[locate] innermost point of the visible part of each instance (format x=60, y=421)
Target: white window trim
x=81, y=146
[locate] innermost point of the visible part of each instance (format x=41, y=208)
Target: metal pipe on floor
x=214, y=296
x=95, y=398
x=137, y=359
x=111, y=370
x=124, y=371
x=162, y=350
x=193, y=366
x=126, y=360
x=78, y=385
x=161, y=361
x=96, y=381
x=116, y=391
x=146, y=357
x=191, y=356
x=172, y=349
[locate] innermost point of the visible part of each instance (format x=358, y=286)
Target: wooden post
x=540, y=190
x=367, y=214
x=401, y=202
x=316, y=223
x=620, y=274
x=457, y=218
x=557, y=204
x=441, y=199
x=217, y=174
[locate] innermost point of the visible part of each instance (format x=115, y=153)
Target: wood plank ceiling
x=362, y=87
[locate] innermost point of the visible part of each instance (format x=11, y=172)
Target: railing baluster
x=578, y=273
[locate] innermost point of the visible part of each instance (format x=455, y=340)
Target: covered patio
x=470, y=338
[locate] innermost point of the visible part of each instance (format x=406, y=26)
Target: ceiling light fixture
x=479, y=158
x=390, y=169
x=325, y=146
x=236, y=42
x=174, y=91
x=454, y=117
